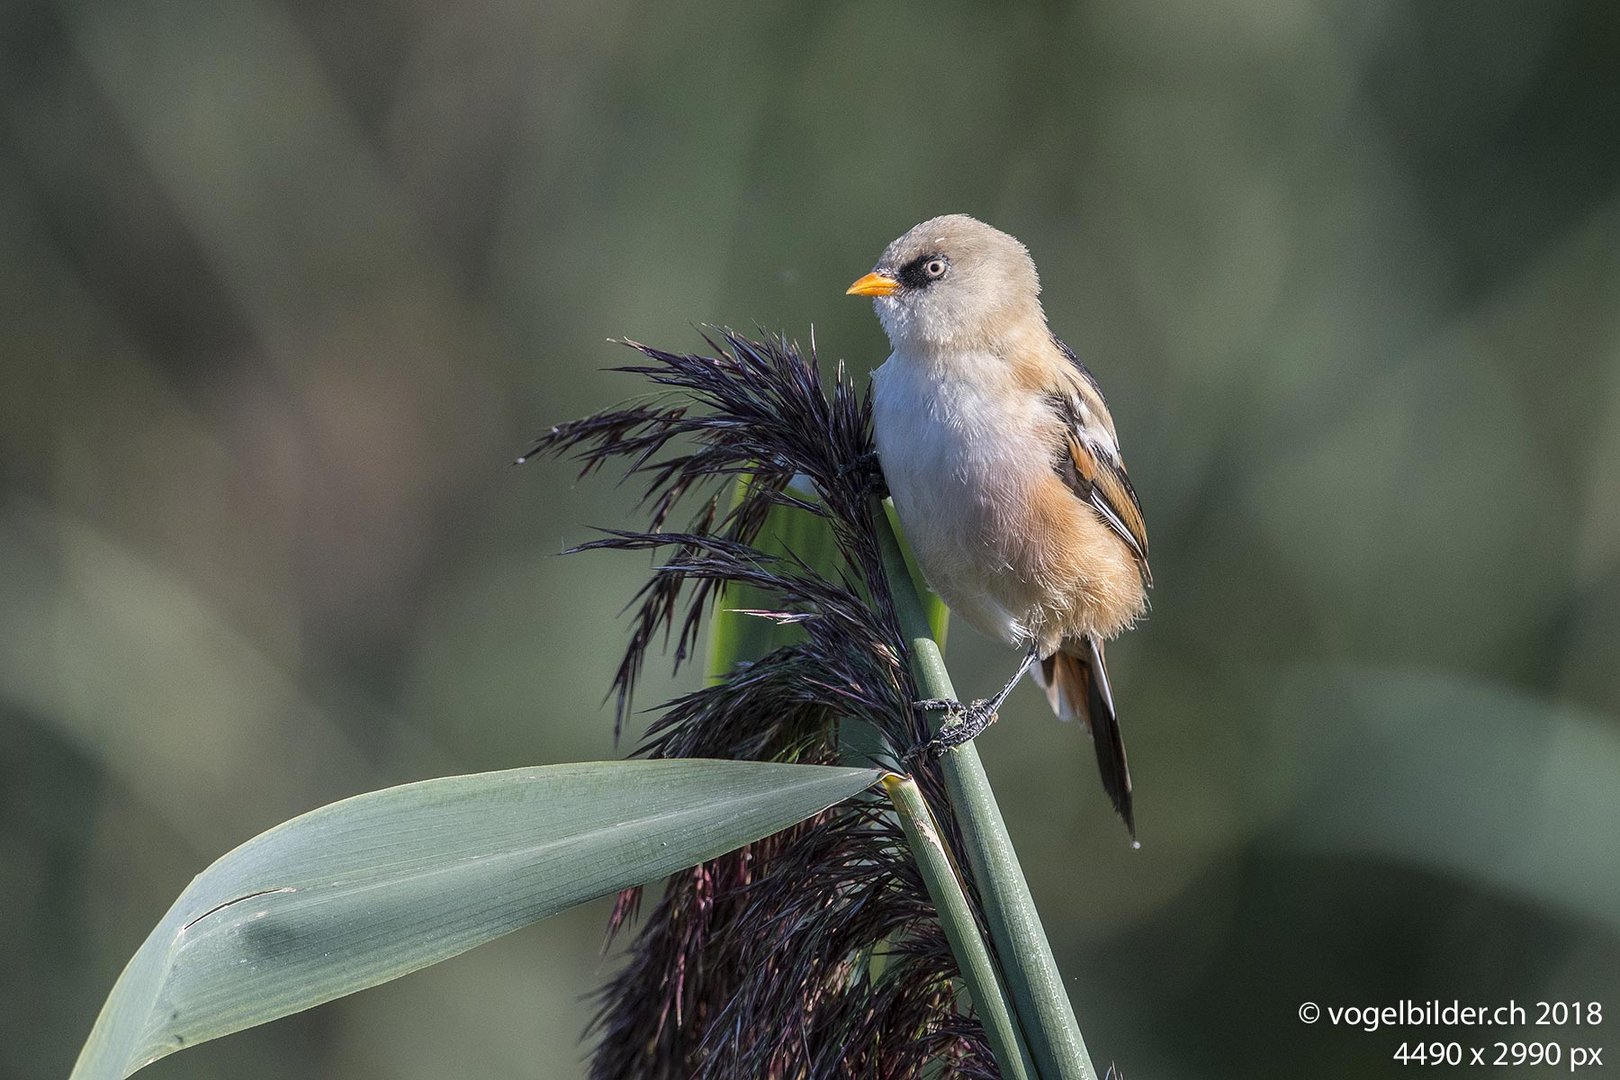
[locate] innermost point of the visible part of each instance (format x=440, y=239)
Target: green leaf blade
x=371, y=888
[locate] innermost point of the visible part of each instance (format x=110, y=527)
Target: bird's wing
x=1090, y=463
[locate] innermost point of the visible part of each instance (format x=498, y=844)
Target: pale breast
x=969, y=465
x=960, y=465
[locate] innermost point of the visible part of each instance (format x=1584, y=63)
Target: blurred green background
x=285, y=285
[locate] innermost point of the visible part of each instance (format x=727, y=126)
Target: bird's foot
x=969, y=722
x=868, y=474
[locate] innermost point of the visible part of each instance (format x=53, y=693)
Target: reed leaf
x=379, y=885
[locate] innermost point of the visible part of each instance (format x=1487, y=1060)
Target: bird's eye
x=934, y=269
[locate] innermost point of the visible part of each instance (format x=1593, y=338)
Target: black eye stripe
x=914, y=275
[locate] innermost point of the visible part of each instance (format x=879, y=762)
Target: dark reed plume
x=815, y=952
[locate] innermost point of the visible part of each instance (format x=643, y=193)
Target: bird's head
x=952, y=281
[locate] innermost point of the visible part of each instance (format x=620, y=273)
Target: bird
x=1004, y=467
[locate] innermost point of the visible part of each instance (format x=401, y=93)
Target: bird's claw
x=868, y=472
x=971, y=720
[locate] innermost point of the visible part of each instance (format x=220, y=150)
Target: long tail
x=1076, y=683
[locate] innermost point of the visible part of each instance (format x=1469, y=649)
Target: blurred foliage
x=283, y=286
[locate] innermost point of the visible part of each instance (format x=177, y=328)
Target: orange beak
x=873, y=284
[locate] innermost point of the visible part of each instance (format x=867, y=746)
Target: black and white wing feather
x=1090, y=462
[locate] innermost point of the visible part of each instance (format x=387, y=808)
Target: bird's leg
x=1023, y=669
x=868, y=473
x=974, y=718
x=982, y=713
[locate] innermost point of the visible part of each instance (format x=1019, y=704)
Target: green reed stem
x=1027, y=966
x=990, y=1001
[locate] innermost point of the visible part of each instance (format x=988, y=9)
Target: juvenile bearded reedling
x=1005, y=470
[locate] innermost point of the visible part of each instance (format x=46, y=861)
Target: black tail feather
x=1076, y=683
x=1105, y=735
